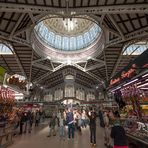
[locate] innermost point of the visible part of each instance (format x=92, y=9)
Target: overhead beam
x=89, y=73
x=5, y=36
x=118, y=9
x=118, y=60
x=17, y=24
x=133, y=35
x=102, y=24
x=102, y=19
x=30, y=71
x=48, y=73
x=42, y=77
x=116, y=25
x=94, y=76
x=98, y=60
x=32, y=18
x=24, y=29
x=39, y=60
x=106, y=70
x=94, y=66
x=19, y=63
x=42, y=66
x=116, y=64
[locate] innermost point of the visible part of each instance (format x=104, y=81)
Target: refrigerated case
x=137, y=131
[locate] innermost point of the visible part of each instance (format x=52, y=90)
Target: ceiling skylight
x=5, y=50
x=68, y=40
x=136, y=49
x=67, y=34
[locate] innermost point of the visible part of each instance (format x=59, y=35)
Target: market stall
x=6, y=115
x=130, y=91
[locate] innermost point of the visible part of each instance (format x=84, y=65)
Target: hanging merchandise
x=7, y=97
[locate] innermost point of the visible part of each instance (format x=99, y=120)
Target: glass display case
x=137, y=131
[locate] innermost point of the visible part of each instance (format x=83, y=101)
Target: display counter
x=6, y=135
x=137, y=132
x=137, y=141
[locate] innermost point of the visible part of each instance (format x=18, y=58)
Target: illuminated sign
x=132, y=69
x=124, y=74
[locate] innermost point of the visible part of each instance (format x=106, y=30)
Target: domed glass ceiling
x=67, y=34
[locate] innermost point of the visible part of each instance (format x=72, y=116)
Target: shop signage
x=133, y=68
x=124, y=75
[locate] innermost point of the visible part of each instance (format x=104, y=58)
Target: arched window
x=136, y=48
x=5, y=49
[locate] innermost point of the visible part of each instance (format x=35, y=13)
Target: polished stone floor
x=38, y=139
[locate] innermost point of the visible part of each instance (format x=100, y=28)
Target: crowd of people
x=75, y=120
x=69, y=121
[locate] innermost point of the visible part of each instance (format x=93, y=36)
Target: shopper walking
x=29, y=121
x=83, y=119
x=52, y=125
x=101, y=118
x=37, y=118
x=79, y=122
x=92, y=124
x=62, y=126
x=106, y=129
x=70, y=123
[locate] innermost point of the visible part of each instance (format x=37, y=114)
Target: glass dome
x=67, y=40
x=67, y=34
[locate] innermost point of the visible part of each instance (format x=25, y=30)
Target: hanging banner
x=2, y=74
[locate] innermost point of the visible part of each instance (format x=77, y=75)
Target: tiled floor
x=38, y=139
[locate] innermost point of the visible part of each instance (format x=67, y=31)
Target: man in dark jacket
x=70, y=123
x=118, y=134
x=92, y=124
